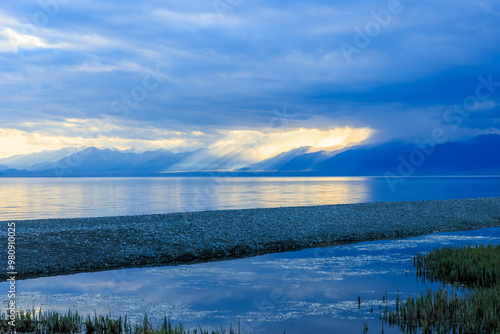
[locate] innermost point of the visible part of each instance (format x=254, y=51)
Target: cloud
x=11, y=41
x=189, y=20
x=97, y=67
x=87, y=133
x=230, y=73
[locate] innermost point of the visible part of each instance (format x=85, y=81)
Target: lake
x=312, y=290
x=35, y=198
x=308, y=291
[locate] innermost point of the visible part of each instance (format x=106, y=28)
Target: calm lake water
x=313, y=290
x=309, y=291
x=32, y=198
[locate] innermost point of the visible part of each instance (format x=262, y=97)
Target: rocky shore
x=65, y=246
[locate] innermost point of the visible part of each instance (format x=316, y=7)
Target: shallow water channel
x=313, y=290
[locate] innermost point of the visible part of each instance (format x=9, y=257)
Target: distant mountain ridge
x=91, y=161
x=36, y=160
x=477, y=156
x=114, y=162
x=480, y=156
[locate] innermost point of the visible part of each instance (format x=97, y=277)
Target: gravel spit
x=66, y=246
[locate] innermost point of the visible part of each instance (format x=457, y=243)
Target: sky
x=228, y=74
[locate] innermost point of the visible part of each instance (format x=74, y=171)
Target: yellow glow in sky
x=14, y=142
x=242, y=146
x=262, y=146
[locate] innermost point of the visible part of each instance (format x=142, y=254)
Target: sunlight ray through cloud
x=239, y=148
x=266, y=145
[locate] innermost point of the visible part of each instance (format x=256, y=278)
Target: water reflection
x=32, y=198
x=297, y=291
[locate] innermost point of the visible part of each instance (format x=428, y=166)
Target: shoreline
x=52, y=247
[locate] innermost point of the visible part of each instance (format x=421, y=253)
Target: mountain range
x=476, y=156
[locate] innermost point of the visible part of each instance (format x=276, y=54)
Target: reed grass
x=49, y=322
x=469, y=303
x=470, y=265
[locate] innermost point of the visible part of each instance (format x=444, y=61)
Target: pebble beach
x=66, y=246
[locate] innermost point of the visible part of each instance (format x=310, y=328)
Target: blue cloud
x=229, y=67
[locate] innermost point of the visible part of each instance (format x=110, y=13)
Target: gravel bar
x=66, y=246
